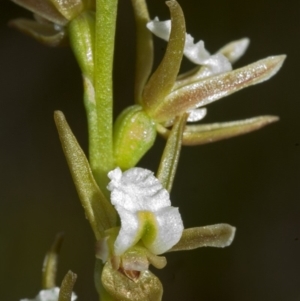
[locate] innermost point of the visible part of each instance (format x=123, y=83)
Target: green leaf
x=98, y=210
x=66, y=288
x=169, y=160
x=68, y=8
x=219, y=236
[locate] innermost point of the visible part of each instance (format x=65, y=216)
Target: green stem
x=102, y=156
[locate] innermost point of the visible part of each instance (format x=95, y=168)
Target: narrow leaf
x=50, y=263
x=65, y=293
x=44, y=8
x=44, y=33
x=163, y=79
x=219, y=236
x=144, y=47
x=98, y=210
x=169, y=161
x=205, y=91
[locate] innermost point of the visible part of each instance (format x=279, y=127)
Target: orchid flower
x=51, y=294
x=162, y=96
x=145, y=210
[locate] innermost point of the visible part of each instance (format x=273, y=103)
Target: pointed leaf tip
x=98, y=210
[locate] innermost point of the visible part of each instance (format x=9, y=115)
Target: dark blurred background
x=251, y=182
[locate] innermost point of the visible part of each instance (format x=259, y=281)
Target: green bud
x=134, y=135
x=82, y=39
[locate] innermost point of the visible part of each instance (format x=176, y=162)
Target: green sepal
x=162, y=80
x=98, y=210
x=50, y=263
x=66, y=288
x=169, y=160
x=146, y=287
x=42, y=32
x=144, y=47
x=134, y=135
x=82, y=39
x=219, y=236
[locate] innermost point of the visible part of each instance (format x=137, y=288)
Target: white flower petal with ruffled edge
x=49, y=295
x=137, y=189
x=195, y=52
x=144, y=209
x=170, y=227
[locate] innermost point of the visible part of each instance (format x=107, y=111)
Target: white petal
x=196, y=53
x=137, y=189
x=197, y=114
x=234, y=50
x=49, y=295
x=161, y=29
x=129, y=231
x=170, y=229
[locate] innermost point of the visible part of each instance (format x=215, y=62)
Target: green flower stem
x=102, y=156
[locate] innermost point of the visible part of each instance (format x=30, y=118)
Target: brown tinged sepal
x=207, y=133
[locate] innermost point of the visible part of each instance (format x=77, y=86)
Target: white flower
x=145, y=211
x=196, y=53
x=49, y=295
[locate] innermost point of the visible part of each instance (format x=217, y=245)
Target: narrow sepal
x=146, y=287
x=163, y=79
x=169, y=160
x=98, y=210
x=205, y=91
x=50, y=263
x=68, y=8
x=44, y=8
x=219, y=236
x=208, y=133
x=66, y=288
x=42, y=32
x=82, y=39
x=144, y=47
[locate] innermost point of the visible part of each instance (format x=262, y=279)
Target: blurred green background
x=251, y=182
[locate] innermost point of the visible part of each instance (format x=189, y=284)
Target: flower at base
x=145, y=211
x=51, y=294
